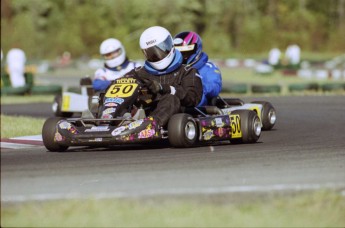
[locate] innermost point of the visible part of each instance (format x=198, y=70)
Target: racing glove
x=155, y=87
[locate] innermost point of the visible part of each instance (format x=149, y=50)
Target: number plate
x=121, y=90
x=66, y=99
x=235, y=126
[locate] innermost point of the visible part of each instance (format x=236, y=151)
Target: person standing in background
x=16, y=60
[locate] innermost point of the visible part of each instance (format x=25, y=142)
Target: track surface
x=306, y=149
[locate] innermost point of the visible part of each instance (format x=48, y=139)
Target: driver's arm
x=190, y=90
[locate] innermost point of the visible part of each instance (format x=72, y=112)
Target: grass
x=312, y=209
x=26, y=99
x=14, y=126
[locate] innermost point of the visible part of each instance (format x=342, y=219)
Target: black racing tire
x=48, y=135
x=56, y=107
x=182, y=130
x=269, y=115
x=266, y=88
x=250, y=127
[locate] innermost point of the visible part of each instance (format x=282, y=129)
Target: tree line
x=47, y=28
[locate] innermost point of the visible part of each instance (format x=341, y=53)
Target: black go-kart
x=121, y=115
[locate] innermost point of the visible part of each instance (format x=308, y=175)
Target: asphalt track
x=305, y=150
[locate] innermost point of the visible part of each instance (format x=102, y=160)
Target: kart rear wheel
x=182, y=130
x=48, y=135
x=56, y=107
x=250, y=127
x=269, y=116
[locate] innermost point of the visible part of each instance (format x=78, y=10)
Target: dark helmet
x=190, y=45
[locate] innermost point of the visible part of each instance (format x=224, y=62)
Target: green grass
x=313, y=209
x=13, y=126
x=26, y=99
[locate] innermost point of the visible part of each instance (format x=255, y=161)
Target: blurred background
x=47, y=28
x=66, y=34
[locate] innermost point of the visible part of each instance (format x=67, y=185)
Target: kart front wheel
x=269, y=116
x=56, y=107
x=250, y=126
x=48, y=135
x=182, y=130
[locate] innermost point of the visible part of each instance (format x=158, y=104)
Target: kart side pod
x=241, y=126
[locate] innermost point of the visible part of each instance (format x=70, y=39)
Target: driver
x=190, y=45
x=116, y=64
x=173, y=84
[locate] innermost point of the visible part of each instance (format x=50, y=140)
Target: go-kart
x=121, y=115
x=68, y=103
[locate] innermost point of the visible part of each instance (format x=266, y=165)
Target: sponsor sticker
x=64, y=125
x=135, y=124
x=58, y=137
x=107, y=116
x=96, y=140
x=97, y=129
x=111, y=104
x=118, y=131
x=219, y=122
x=208, y=135
x=109, y=110
x=116, y=100
x=125, y=80
x=147, y=133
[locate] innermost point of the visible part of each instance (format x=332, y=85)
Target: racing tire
x=56, y=107
x=182, y=130
x=269, y=115
x=250, y=127
x=48, y=135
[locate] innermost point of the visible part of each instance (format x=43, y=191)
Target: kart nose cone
x=272, y=116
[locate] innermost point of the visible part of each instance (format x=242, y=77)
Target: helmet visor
x=186, y=50
x=113, y=54
x=159, y=51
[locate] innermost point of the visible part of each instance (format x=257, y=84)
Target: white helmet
x=157, y=45
x=113, y=52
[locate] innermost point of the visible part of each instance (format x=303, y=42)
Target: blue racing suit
x=104, y=76
x=210, y=76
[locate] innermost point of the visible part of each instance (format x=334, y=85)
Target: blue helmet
x=190, y=45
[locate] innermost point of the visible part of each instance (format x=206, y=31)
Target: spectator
x=16, y=66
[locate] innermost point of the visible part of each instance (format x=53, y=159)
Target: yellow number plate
x=121, y=90
x=235, y=126
x=66, y=99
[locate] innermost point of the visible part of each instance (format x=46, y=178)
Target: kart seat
x=226, y=102
x=202, y=110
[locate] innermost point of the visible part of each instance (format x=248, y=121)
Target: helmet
x=157, y=45
x=113, y=52
x=190, y=45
